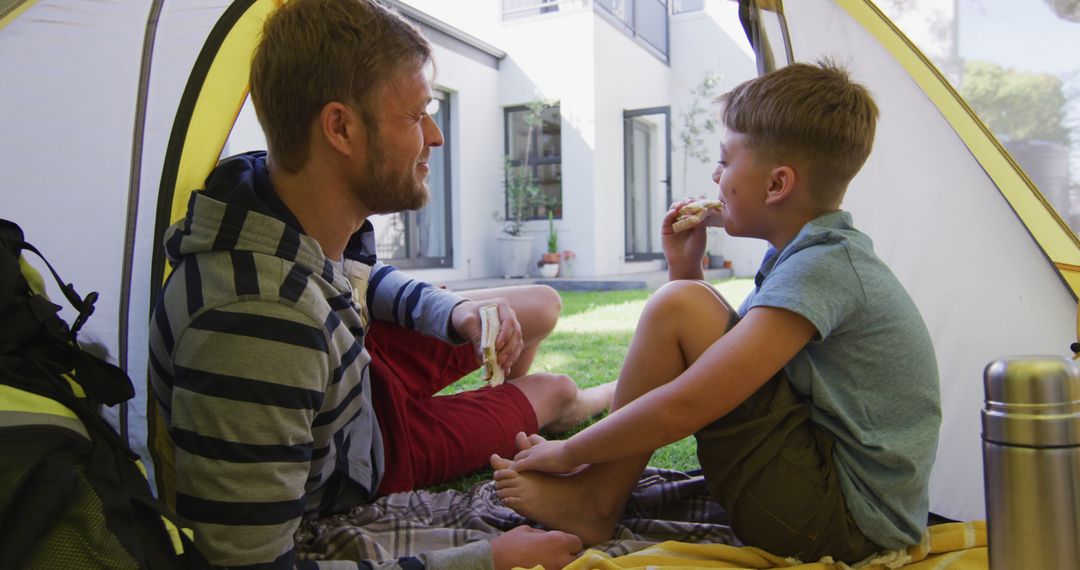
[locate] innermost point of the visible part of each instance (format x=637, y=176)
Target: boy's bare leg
x=558, y=402
x=680, y=321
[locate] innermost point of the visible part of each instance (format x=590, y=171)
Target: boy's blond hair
x=313, y=52
x=813, y=115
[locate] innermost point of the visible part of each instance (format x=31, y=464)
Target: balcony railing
x=644, y=20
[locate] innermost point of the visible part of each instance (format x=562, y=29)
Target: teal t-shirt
x=869, y=375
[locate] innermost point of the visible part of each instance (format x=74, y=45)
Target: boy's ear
x=340, y=126
x=781, y=184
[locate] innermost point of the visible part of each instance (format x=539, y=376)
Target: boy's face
x=743, y=182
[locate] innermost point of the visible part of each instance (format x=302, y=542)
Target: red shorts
x=431, y=439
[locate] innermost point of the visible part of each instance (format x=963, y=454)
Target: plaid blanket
x=661, y=509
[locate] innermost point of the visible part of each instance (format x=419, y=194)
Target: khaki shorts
x=772, y=469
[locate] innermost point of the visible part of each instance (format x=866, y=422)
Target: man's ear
x=340, y=126
x=781, y=184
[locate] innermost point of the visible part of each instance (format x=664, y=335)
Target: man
x=276, y=408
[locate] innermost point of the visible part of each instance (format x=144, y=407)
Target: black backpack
x=72, y=494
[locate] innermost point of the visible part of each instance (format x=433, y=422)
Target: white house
x=617, y=77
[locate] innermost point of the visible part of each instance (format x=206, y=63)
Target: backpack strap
x=34, y=333
x=12, y=240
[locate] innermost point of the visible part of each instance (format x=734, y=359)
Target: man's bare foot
x=562, y=502
x=589, y=403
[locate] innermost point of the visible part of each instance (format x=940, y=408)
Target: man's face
x=399, y=144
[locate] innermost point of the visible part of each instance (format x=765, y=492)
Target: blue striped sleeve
x=416, y=305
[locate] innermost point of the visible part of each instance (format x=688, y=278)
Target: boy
x=815, y=406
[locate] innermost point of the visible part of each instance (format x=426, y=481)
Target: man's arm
x=725, y=375
x=393, y=296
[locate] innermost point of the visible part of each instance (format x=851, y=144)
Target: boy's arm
x=682, y=250
x=725, y=375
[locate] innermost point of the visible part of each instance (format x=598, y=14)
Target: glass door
x=647, y=178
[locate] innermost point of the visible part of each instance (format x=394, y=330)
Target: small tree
x=521, y=194
x=1016, y=104
x=697, y=120
x=521, y=191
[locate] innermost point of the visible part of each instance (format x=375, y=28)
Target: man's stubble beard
x=383, y=191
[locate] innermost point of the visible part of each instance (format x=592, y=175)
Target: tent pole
x=134, y=179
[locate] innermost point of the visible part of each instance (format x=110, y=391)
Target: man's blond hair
x=313, y=52
x=814, y=115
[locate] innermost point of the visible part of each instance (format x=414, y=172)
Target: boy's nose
x=716, y=173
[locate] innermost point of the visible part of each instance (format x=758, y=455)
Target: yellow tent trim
x=15, y=11
x=1052, y=234
x=222, y=95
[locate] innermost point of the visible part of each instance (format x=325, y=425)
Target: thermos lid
x=1032, y=401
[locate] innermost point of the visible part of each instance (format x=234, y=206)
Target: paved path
x=650, y=280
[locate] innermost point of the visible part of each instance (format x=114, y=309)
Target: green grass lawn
x=589, y=344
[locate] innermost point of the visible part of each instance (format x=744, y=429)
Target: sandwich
x=489, y=331
x=694, y=213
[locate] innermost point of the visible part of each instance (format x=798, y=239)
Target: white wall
x=550, y=57
x=627, y=77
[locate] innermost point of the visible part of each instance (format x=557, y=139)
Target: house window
x=422, y=238
x=534, y=149
x=681, y=6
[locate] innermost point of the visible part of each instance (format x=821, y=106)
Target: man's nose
x=432, y=133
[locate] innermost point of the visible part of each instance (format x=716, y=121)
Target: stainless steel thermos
x=1031, y=462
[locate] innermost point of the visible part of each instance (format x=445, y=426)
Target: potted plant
x=516, y=249
x=568, y=261
x=549, y=261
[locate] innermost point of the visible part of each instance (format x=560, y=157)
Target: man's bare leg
x=558, y=402
x=589, y=502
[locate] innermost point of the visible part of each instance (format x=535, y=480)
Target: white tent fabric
x=983, y=285
x=80, y=167
x=69, y=172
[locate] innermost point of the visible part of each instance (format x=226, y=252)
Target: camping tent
x=111, y=112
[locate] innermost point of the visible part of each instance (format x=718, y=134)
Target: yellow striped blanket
x=951, y=546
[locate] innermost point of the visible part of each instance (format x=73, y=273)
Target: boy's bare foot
x=589, y=403
x=523, y=441
x=562, y=502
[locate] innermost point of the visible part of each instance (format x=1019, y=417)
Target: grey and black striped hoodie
x=259, y=370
